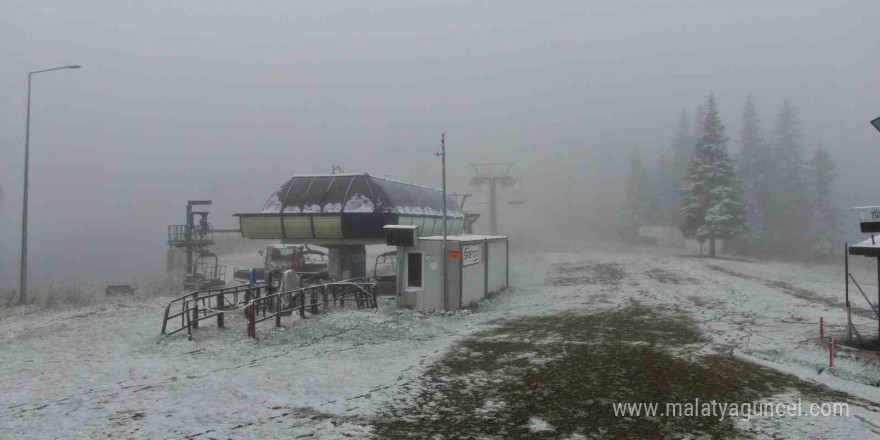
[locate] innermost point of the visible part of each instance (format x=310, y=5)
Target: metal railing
x=309, y=299
x=203, y=304
x=178, y=234
x=262, y=301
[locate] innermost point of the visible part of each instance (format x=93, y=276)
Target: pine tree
x=755, y=169
x=698, y=124
x=635, y=210
x=683, y=146
x=824, y=219
x=712, y=208
x=788, y=201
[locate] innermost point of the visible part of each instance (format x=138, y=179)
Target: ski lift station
x=347, y=212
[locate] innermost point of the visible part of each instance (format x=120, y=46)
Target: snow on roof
x=400, y=226
x=466, y=237
x=358, y=193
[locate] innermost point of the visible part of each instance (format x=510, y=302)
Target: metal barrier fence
x=262, y=301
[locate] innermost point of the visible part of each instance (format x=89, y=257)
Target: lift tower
x=493, y=175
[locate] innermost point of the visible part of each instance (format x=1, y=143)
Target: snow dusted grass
x=80, y=293
x=510, y=383
x=541, y=360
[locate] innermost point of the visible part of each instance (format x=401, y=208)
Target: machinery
x=202, y=270
x=310, y=263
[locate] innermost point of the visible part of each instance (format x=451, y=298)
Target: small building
x=477, y=266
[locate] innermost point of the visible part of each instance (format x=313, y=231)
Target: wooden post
x=821, y=328
x=302, y=303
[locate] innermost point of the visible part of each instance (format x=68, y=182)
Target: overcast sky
x=226, y=99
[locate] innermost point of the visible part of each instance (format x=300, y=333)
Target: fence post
x=374, y=290
x=846, y=279
x=195, y=311
x=186, y=317
x=277, y=302
x=821, y=328
x=251, y=316
x=326, y=297
x=302, y=303
x=831, y=352
x=314, y=296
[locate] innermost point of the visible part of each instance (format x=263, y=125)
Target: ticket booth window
x=414, y=270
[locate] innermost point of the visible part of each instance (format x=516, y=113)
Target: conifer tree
x=788, y=203
x=755, y=170
x=824, y=219
x=683, y=146
x=713, y=208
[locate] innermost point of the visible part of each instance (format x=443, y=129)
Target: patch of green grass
x=568, y=370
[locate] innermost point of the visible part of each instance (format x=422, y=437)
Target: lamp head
x=75, y=66
x=876, y=123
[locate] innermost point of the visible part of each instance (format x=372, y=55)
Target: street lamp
x=22, y=294
x=876, y=123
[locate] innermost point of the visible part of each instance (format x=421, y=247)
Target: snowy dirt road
x=544, y=360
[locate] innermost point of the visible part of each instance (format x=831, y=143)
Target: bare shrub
x=67, y=294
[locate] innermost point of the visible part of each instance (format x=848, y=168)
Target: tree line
x=771, y=199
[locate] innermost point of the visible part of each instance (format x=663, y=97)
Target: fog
x=225, y=100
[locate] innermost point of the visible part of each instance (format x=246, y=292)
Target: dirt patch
x=559, y=376
x=587, y=273
x=664, y=276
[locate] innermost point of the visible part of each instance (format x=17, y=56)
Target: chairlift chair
x=385, y=271
x=516, y=197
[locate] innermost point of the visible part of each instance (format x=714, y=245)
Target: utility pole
x=444, y=254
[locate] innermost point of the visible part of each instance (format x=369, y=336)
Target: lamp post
x=22, y=294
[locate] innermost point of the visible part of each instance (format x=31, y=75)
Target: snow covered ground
x=103, y=370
